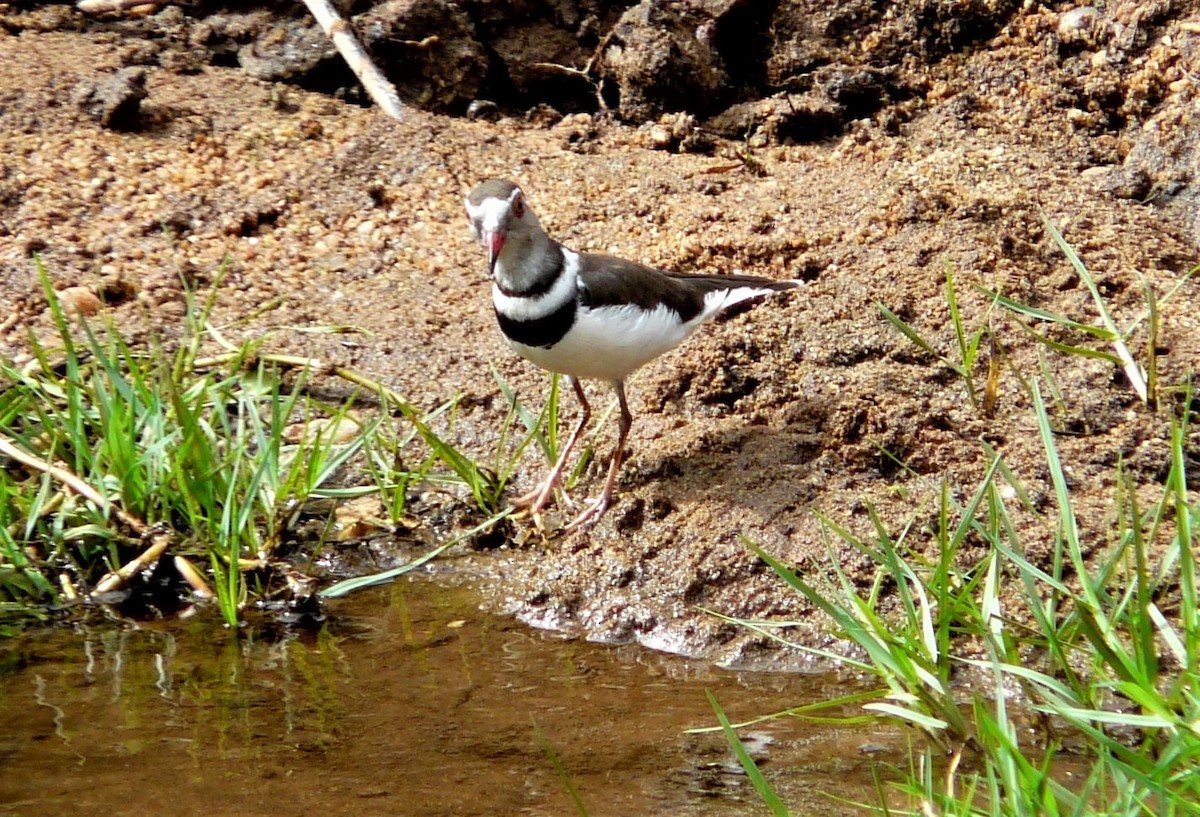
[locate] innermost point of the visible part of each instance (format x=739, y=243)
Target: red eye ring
x=519, y=207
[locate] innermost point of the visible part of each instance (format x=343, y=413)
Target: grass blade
x=761, y=785
x=1137, y=377
x=560, y=770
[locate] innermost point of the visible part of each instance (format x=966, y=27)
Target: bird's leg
x=536, y=499
x=598, y=506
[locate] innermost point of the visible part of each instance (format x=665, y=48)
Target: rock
x=806, y=34
x=1132, y=24
x=679, y=132
x=1163, y=167
x=784, y=117
x=858, y=90
x=293, y=50
x=483, y=109
x=543, y=115
x=580, y=133
x=428, y=49
x=78, y=299
x=661, y=137
x=660, y=59
x=114, y=102
x=544, y=62
x=1129, y=182
x=809, y=34
x=541, y=50
x=817, y=114
x=1078, y=25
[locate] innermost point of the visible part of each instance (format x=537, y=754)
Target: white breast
x=611, y=342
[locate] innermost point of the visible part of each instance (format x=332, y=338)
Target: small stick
x=7, y=446
x=159, y=539
x=567, y=69
x=424, y=42
x=68, y=589
x=116, y=580
x=102, y=6
x=338, y=31
x=191, y=575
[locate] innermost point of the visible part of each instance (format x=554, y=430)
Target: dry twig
x=7, y=446
x=338, y=31
x=159, y=539
x=193, y=577
x=104, y=6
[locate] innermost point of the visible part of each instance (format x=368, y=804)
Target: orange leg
x=591, y=515
x=538, y=498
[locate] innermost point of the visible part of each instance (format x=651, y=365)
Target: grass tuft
x=117, y=457
x=1087, y=647
x=1068, y=638
x=747, y=763
x=969, y=346
x=1143, y=377
x=560, y=770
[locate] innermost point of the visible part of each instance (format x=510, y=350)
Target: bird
x=589, y=316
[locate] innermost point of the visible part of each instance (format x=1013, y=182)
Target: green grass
x=118, y=456
x=768, y=795
x=560, y=770
x=543, y=428
x=1142, y=376
x=1106, y=647
x=1094, y=641
x=969, y=345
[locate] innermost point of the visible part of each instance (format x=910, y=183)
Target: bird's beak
x=494, y=241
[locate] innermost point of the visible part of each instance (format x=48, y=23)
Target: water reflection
x=410, y=702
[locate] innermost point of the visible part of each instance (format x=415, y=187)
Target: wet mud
x=325, y=214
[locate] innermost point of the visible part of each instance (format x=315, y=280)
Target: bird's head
x=499, y=217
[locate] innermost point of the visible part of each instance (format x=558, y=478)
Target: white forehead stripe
x=492, y=212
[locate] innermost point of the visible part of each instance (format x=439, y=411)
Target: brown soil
x=330, y=214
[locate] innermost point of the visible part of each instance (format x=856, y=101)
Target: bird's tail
x=724, y=302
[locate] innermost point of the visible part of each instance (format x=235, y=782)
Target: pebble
x=1077, y=24
x=660, y=137
x=80, y=299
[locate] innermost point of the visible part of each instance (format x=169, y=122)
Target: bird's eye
x=519, y=207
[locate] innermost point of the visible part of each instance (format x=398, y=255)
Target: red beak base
x=494, y=243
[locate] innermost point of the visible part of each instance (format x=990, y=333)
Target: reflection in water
x=411, y=702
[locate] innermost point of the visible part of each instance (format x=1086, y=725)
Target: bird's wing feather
x=610, y=281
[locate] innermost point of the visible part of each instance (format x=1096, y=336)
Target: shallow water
x=409, y=702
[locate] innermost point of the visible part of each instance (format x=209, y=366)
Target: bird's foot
x=591, y=514
x=536, y=500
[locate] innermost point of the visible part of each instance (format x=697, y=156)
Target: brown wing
x=611, y=281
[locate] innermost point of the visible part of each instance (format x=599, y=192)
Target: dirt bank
x=328, y=213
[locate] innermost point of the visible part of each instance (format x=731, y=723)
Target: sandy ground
x=330, y=214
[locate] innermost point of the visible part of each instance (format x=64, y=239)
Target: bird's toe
x=591, y=514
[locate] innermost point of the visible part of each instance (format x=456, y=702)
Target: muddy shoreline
x=327, y=213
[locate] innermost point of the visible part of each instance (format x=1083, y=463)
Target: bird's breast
x=542, y=330
x=608, y=343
